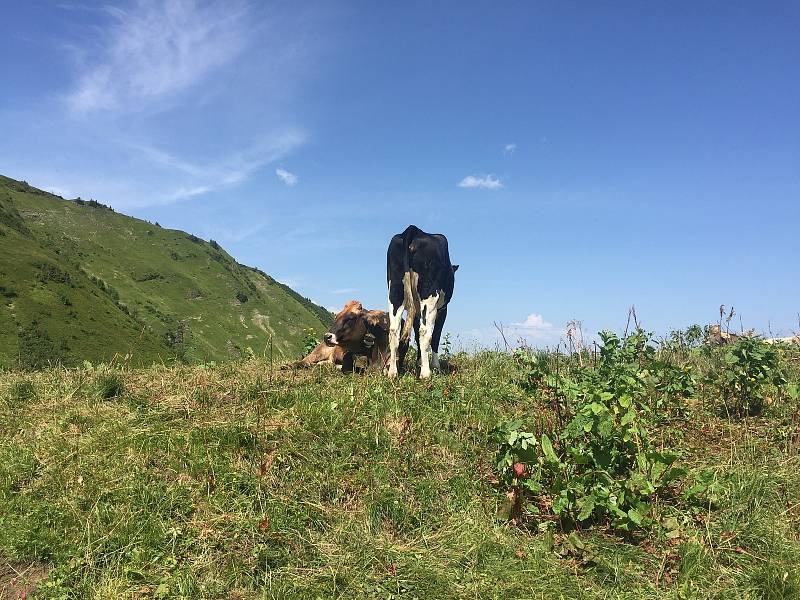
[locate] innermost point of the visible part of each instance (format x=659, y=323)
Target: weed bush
x=310, y=341
x=21, y=392
x=108, y=386
x=603, y=467
x=750, y=367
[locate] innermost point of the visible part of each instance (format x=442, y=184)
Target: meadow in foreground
x=238, y=480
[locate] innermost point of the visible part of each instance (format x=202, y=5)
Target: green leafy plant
x=310, y=341
x=604, y=467
x=750, y=366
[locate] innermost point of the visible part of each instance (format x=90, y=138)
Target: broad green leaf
x=628, y=417
x=634, y=516
x=547, y=448
x=596, y=408
x=587, y=508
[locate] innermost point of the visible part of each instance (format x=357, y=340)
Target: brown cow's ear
x=378, y=318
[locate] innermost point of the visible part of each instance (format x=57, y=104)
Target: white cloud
x=290, y=179
x=344, y=291
x=534, y=326
x=534, y=330
x=490, y=182
x=509, y=148
x=155, y=50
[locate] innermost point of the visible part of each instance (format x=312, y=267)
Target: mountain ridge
x=80, y=281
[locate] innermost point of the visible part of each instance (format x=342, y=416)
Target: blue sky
x=580, y=157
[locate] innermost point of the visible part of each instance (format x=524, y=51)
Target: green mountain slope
x=79, y=281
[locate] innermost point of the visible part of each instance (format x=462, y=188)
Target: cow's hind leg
x=416, y=338
x=427, y=324
x=396, y=297
x=441, y=315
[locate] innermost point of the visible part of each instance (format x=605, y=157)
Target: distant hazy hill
x=80, y=281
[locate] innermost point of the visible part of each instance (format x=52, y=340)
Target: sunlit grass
x=239, y=480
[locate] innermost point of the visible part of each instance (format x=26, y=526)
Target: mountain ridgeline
x=79, y=281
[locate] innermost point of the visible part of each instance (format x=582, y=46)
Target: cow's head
x=352, y=328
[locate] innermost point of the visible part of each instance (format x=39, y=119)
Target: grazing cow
x=420, y=278
x=360, y=331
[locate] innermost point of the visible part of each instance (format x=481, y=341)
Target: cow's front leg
x=427, y=321
x=395, y=324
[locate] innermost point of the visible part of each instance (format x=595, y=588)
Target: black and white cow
x=420, y=279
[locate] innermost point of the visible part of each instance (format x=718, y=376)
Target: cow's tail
x=411, y=308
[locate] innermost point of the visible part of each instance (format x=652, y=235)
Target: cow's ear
x=378, y=318
x=455, y=268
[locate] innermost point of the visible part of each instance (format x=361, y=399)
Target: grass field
x=238, y=480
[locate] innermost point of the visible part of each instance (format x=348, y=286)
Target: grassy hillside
x=241, y=481
x=80, y=281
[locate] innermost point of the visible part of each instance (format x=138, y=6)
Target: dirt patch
x=262, y=322
x=19, y=580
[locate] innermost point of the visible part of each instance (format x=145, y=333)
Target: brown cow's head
x=353, y=326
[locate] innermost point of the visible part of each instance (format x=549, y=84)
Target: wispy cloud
x=224, y=171
x=155, y=50
x=290, y=179
x=489, y=182
x=344, y=291
x=509, y=148
x=183, y=193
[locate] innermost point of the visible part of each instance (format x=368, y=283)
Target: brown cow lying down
x=324, y=355
x=363, y=332
x=354, y=332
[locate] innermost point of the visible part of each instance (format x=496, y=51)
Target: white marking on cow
x=330, y=339
x=395, y=319
x=427, y=321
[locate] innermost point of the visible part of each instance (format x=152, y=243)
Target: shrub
x=37, y=350
x=310, y=341
x=147, y=276
x=750, y=365
x=50, y=272
x=603, y=466
x=21, y=392
x=109, y=386
x=241, y=297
